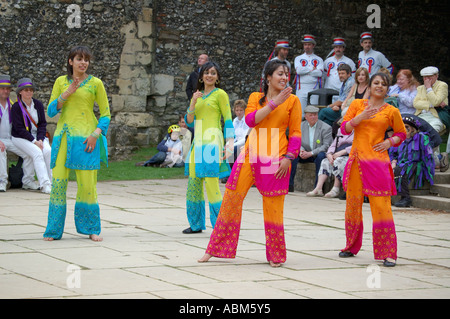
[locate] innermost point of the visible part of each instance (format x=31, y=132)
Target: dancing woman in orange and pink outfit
x=266, y=163
x=369, y=172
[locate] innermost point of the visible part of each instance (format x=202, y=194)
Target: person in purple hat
x=6, y=144
x=29, y=130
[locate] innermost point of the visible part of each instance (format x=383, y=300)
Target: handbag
x=47, y=135
x=15, y=174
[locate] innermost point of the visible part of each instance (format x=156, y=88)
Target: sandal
x=314, y=193
x=333, y=193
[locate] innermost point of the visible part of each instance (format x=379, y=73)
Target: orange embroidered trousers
x=225, y=236
x=383, y=231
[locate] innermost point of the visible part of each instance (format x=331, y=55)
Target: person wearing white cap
x=331, y=64
x=370, y=59
x=6, y=144
x=280, y=52
x=431, y=97
x=309, y=69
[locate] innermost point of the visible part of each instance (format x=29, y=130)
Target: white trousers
x=302, y=95
x=41, y=158
x=434, y=121
x=27, y=166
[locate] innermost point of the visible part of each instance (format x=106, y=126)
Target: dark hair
x=383, y=76
x=206, y=67
x=77, y=50
x=269, y=69
x=345, y=67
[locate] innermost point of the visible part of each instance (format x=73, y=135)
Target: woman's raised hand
x=283, y=96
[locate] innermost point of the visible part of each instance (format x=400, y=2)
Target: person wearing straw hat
x=29, y=129
x=370, y=59
x=280, y=52
x=309, y=68
x=331, y=65
x=6, y=144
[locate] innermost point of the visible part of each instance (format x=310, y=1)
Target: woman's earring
x=217, y=82
x=200, y=80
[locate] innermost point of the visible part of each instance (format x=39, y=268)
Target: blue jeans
x=158, y=158
x=313, y=159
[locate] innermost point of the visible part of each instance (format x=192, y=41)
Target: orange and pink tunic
x=266, y=146
x=369, y=173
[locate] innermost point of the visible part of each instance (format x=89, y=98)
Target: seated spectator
x=333, y=111
x=405, y=90
x=29, y=130
x=431, y=96
x=241, y=131
x=316, y=138
x=185, y=136
x=440, y=159
x=241, y=128
x=413, y=160
x=6, y=145
x=334, y=164
x=170, y=151
x=358, y=90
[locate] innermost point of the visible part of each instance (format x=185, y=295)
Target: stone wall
x=145, y=49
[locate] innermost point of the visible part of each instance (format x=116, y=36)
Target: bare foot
x=95, y=237
x=49, y=238
x=274, y=264
x=205, y=258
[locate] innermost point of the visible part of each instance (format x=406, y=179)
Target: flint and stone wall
x=145, y=49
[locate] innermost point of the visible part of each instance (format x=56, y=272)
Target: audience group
x=23, y=131
x=424, y=109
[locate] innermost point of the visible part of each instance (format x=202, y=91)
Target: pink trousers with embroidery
x=225, y=236
x=383, y=231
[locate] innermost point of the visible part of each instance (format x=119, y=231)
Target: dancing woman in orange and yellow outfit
x=266, y=163
x=369, y=172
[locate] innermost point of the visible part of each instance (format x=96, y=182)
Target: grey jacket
x=322, y=137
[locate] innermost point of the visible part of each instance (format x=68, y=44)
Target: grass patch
x=126, y=170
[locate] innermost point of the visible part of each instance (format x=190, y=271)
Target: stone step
x=442, y=178
x=443, y=190
x=431, y=202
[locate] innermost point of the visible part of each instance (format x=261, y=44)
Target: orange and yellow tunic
x=374, y=167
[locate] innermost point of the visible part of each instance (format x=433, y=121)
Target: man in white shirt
x=280, y=52
x=6, y=145
x=331, y=65
x=370, y=59
x=309, y=69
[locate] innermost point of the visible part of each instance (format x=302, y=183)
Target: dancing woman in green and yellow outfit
x=79, y=143
x=207, y=157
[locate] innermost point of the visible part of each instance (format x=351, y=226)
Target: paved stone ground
x=145, y=255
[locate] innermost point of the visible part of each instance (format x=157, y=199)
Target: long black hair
x=206, y=67
x=269, y=69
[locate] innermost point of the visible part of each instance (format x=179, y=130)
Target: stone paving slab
x=144, y=255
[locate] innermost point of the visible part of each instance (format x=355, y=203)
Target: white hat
x=429, y=70
x=366, y=36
